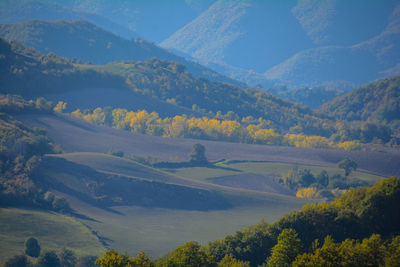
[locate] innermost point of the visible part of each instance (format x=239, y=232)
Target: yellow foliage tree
x=310, y=192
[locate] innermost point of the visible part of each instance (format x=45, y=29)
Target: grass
x=264, y=168
x=202, y=173
x=283, y=169
x=158, y=231
x=53, y=231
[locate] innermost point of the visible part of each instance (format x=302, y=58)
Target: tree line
x=220, y=127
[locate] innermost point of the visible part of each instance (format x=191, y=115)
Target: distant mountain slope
x=377, y=101
x=30, y=74
x=242, y=34
x=154, y=20
x=86, y=41
x=359, y=63
x=14, y=11
x=327, y=43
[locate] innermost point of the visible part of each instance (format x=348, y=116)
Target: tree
x=198, y=155
x=142, y=260
x=323, y=178
x=230, y=261
x=286, y=250
x=60, y=106
x=306, y=177
x=348, y=165
x=32, y=247
x=49, y=259
x=17, y=261
x=113, y=258
x=67, y=258
x=190, y=254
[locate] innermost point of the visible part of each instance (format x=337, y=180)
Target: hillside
x=12, y=11
x=76, y=135
x=152, y=20
x=358, y=63
x=31, y=74
x=78, y=39
x=377, y=101
x=314, y=44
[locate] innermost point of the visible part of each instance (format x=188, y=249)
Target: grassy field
x=283, y=168
x=158, y=231
x=263, y=168
x=52, y=230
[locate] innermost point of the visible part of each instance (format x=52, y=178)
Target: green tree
x=142, y=260
x=17, y=261
x=286, y=250
x=348, y=165
x=67, y=258
x=189, y=255
x=113, y=258
x=230, y=261
x=32, y=247
x=49, y=259
x=323, y=178
x=306, y=177
x=198, y=155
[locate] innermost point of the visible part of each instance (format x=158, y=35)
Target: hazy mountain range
x=334, y=43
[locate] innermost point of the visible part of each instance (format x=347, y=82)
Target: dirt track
x=76, y=135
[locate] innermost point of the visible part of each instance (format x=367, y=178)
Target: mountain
x=359, y=63
x=22, y=10
x=377, y=101
x=327, y=43
x=153, y=20
x=90, y=43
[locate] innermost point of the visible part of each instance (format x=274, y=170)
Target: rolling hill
x=76, y=135
x=30, y=74
x=22, y=10
x=155, y=85
x=377, y=101
x=78, y=39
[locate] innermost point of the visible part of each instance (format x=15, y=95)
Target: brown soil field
x=75, y=135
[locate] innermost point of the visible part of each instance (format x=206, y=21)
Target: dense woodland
x=21, y=154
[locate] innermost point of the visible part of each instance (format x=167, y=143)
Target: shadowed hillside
x=83, y=40
x=377, y=101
